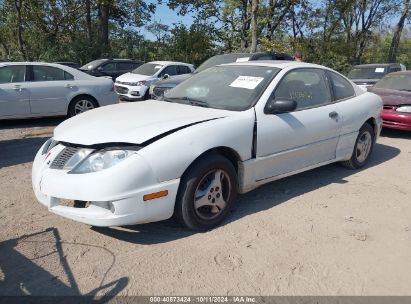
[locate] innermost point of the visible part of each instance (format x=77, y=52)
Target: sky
x=166, y=16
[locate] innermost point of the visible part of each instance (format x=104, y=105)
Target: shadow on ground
x=19, y=151
x=263, y=198
x=23, y=264
x=30, y=123
x=393, y=133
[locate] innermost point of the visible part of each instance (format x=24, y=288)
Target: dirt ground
x=329, y=231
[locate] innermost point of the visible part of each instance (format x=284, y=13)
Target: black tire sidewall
x=354, y=159
x=185, y=211
x=71, y=111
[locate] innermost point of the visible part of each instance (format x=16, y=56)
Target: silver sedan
x=34, y=89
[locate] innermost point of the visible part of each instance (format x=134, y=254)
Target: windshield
x=401, y=82
x=221, y=59
x=367, y=73
x=232, y=88
x=148, y=69
x=91, y=65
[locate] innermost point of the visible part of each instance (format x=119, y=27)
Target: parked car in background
x=157, y=90
x=228, y=129
x=135, y=85
x=395, y=91
x=110, y=67
x=69, y=64
x=366, y=75
x=35, y=89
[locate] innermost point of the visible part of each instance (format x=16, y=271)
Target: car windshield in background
x=367, y=73
x=217, y=60
x=147, y=69
x=399, y=82
x=91, y=65
x=232, y=88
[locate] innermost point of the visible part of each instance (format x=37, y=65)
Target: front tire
x=80, y=105
x=362, y=148
x=207, y=192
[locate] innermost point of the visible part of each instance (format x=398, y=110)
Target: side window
x=125, y=66
x=265, y=57
x=182, y=69
x=342, y=88
x=170, y=70
x=12, y=73
x=308, y=87
x=394, y=69
x=68, y=76
x=47, y=73
x=109, y=67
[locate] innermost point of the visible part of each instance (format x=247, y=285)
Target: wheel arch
x=74, y=98
x=373, y=123
x=229, y=153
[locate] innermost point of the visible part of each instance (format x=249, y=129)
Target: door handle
x=17, y=87
x=333, y=115
x=68, y=86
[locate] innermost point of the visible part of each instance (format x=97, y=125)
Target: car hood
x=392, y=97
x=134, y=123
x=131, y=77
x=173, y=81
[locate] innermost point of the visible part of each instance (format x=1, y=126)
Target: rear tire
x=363, y=147
x=80, y=105
x=207, y=193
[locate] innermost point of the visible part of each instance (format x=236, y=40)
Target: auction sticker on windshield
x=242, y=59
x=246, y=82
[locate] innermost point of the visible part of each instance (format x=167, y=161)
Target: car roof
x=375, y=65
x=281, y=64
x=55, y=64
x=169, y=62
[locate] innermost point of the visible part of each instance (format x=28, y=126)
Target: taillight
x=112, y=87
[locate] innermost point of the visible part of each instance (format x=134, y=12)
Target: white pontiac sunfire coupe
x=226, y=130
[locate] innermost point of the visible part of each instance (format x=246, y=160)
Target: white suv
x=135, y=84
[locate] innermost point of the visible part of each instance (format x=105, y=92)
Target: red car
x=395, y=91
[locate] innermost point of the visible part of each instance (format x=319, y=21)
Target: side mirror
x=165, y=76
x=277, y=106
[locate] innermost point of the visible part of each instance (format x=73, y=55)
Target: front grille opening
x=63, y=157
x=74, y=203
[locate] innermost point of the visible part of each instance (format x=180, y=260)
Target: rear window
x=221, y=59
x=367, y=73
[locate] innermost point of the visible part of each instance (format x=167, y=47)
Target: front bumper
x=130, y=93
x=396, y=120
x=115, y=196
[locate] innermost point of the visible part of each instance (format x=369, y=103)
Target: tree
x=392, y=55
x=254, y=24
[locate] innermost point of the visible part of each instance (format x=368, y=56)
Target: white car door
x=14, y=95
x=309, y=135
x=50, y=89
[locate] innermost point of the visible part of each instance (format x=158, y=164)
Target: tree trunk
x=88, y=21
x=254, y=25
x=104, y=16
x=392, y=56
x=245, y=24
x=17, y=5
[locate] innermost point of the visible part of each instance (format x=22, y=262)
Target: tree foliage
x=337, y=33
